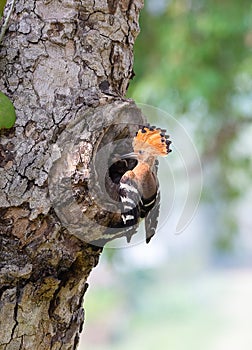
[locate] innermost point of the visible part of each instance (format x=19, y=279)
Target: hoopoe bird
x=139, y=188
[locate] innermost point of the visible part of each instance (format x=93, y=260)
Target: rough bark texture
x=63, y=63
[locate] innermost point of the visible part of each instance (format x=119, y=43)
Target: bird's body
x=138, y=188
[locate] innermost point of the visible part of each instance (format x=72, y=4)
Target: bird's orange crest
x=154, y=138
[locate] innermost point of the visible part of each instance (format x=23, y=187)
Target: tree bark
x=66, y=65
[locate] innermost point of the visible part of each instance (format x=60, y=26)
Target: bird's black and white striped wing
x=135, y=207
x=131, y=200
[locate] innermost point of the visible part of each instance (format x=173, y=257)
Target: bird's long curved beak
x=129, y=155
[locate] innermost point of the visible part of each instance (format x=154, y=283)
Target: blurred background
x=192, y=289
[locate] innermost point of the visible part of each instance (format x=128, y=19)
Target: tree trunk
x=66, y=65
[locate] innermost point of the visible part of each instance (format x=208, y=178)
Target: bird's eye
x=141, y=151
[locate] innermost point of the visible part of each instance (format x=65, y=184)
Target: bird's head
x=150, y=142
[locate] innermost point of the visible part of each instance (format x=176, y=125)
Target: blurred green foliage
x=194, y=60
x=190, y=50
